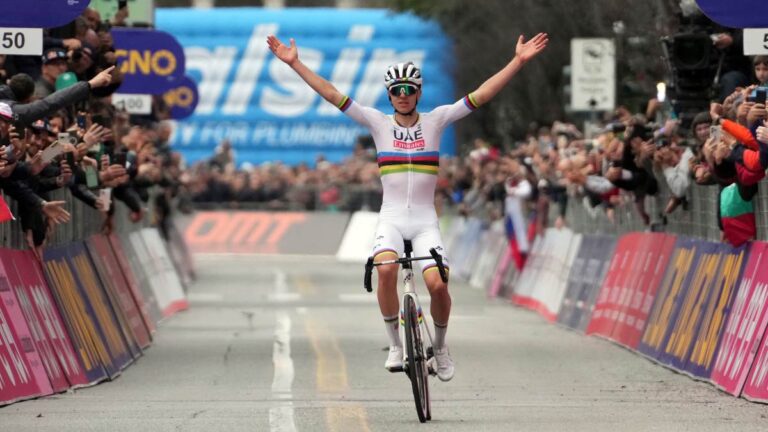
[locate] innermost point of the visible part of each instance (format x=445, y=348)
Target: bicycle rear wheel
x=417, y=361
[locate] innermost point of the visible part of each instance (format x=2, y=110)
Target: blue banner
x=152, y=61
x=40, y=13
x=264, y=109
x=736, y=13
x=182, y=99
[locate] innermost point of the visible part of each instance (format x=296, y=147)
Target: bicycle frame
x=410, y=290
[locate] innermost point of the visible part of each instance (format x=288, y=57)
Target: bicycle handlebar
x=434, y=255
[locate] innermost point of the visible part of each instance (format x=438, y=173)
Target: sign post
x=593, y=75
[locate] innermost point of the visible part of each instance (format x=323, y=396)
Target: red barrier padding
x=116, y=285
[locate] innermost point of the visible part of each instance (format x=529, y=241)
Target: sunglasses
x=403, y=89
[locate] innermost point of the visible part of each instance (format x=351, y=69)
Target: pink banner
x=43, y=345
x=19, y=325
x=746, y=324
x=44, y=306
x=732, y=370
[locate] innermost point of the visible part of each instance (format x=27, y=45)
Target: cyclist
x=407, y=145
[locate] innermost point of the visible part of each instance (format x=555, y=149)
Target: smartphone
x=21, y=130
x=70, y=159
x=52, y=151
x=106, y=196
x=715, y=132
x=120, y=159
x=67, y=138
x=760, y=95
x=81, y=121
x=91, y=177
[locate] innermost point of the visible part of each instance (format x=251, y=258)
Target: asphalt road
x=289, y=344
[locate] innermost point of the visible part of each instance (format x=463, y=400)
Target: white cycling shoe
x=442, y=364
x=394, y=359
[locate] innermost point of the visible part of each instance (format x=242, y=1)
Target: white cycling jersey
x=409, y=159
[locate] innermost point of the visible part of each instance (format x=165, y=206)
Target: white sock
x=440, y=331
x=393, y=330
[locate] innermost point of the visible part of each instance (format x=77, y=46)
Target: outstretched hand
x=289, y=55
x=528, y=50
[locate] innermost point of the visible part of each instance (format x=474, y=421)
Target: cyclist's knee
x=387, y=272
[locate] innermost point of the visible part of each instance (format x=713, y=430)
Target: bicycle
x=411, y=316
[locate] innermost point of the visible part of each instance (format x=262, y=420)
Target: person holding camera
x=674, y=161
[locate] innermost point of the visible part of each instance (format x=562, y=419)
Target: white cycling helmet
x=402, y=73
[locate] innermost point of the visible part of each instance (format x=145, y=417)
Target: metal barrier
x=85, y=222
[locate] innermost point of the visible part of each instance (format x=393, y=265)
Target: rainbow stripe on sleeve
x=424, y=163
x=344, y=104
x=469, y=101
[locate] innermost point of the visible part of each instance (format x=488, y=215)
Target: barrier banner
x=671, y=294
x=602, y=320
x=461, y=258
x=151, y=61
x=501, y=272
x=636, y=297
x=180, y=255
x=493, y=247
x=22, y=375
x=756, y=386
x=118, y=292
x=47, y=314
x=137, y=282
x=584, y=281
x=713, y=312
x=256, y=102
x=746, y=324
x=628, y=292
x=542, y=286
x=264, y=232
x=88, y=335
x=169, y=293
x=53, y=378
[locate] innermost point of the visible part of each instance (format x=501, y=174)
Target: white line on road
x=281, y=416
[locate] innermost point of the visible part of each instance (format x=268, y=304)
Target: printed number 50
x=11, y=40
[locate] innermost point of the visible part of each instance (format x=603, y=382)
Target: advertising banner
x=169, y=292
x=756, y=386
x=255, y=101
x=493, y=247
x=117, y=290
x=112, y=277
x=45, y=308
x=713, y=312
x=585, y=279
x=85, y=329
x=136, y=274
x=690, y=256
x=152, y=61
x=636, y=297
x=53, y=378
x=182, y=98
x=40, y=13
x=254, y=232
x=542, y=283
x=746, y=324
x=736, y=14
x=600, y=322
x=22, y=375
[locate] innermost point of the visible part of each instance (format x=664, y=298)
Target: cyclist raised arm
x=290, y=56
x=524, y=51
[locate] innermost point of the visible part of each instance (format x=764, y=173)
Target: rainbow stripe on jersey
x=344, y=104
x=423, y=162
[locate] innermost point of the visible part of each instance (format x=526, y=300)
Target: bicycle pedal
x=396, y=369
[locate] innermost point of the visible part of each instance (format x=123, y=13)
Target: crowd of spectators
x=59, y=130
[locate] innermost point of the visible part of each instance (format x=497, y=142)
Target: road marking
x=281, y=416
x=204, y=297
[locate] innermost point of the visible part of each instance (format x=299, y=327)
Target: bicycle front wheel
x=417, y=361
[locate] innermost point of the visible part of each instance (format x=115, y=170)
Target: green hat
x=65, y=80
